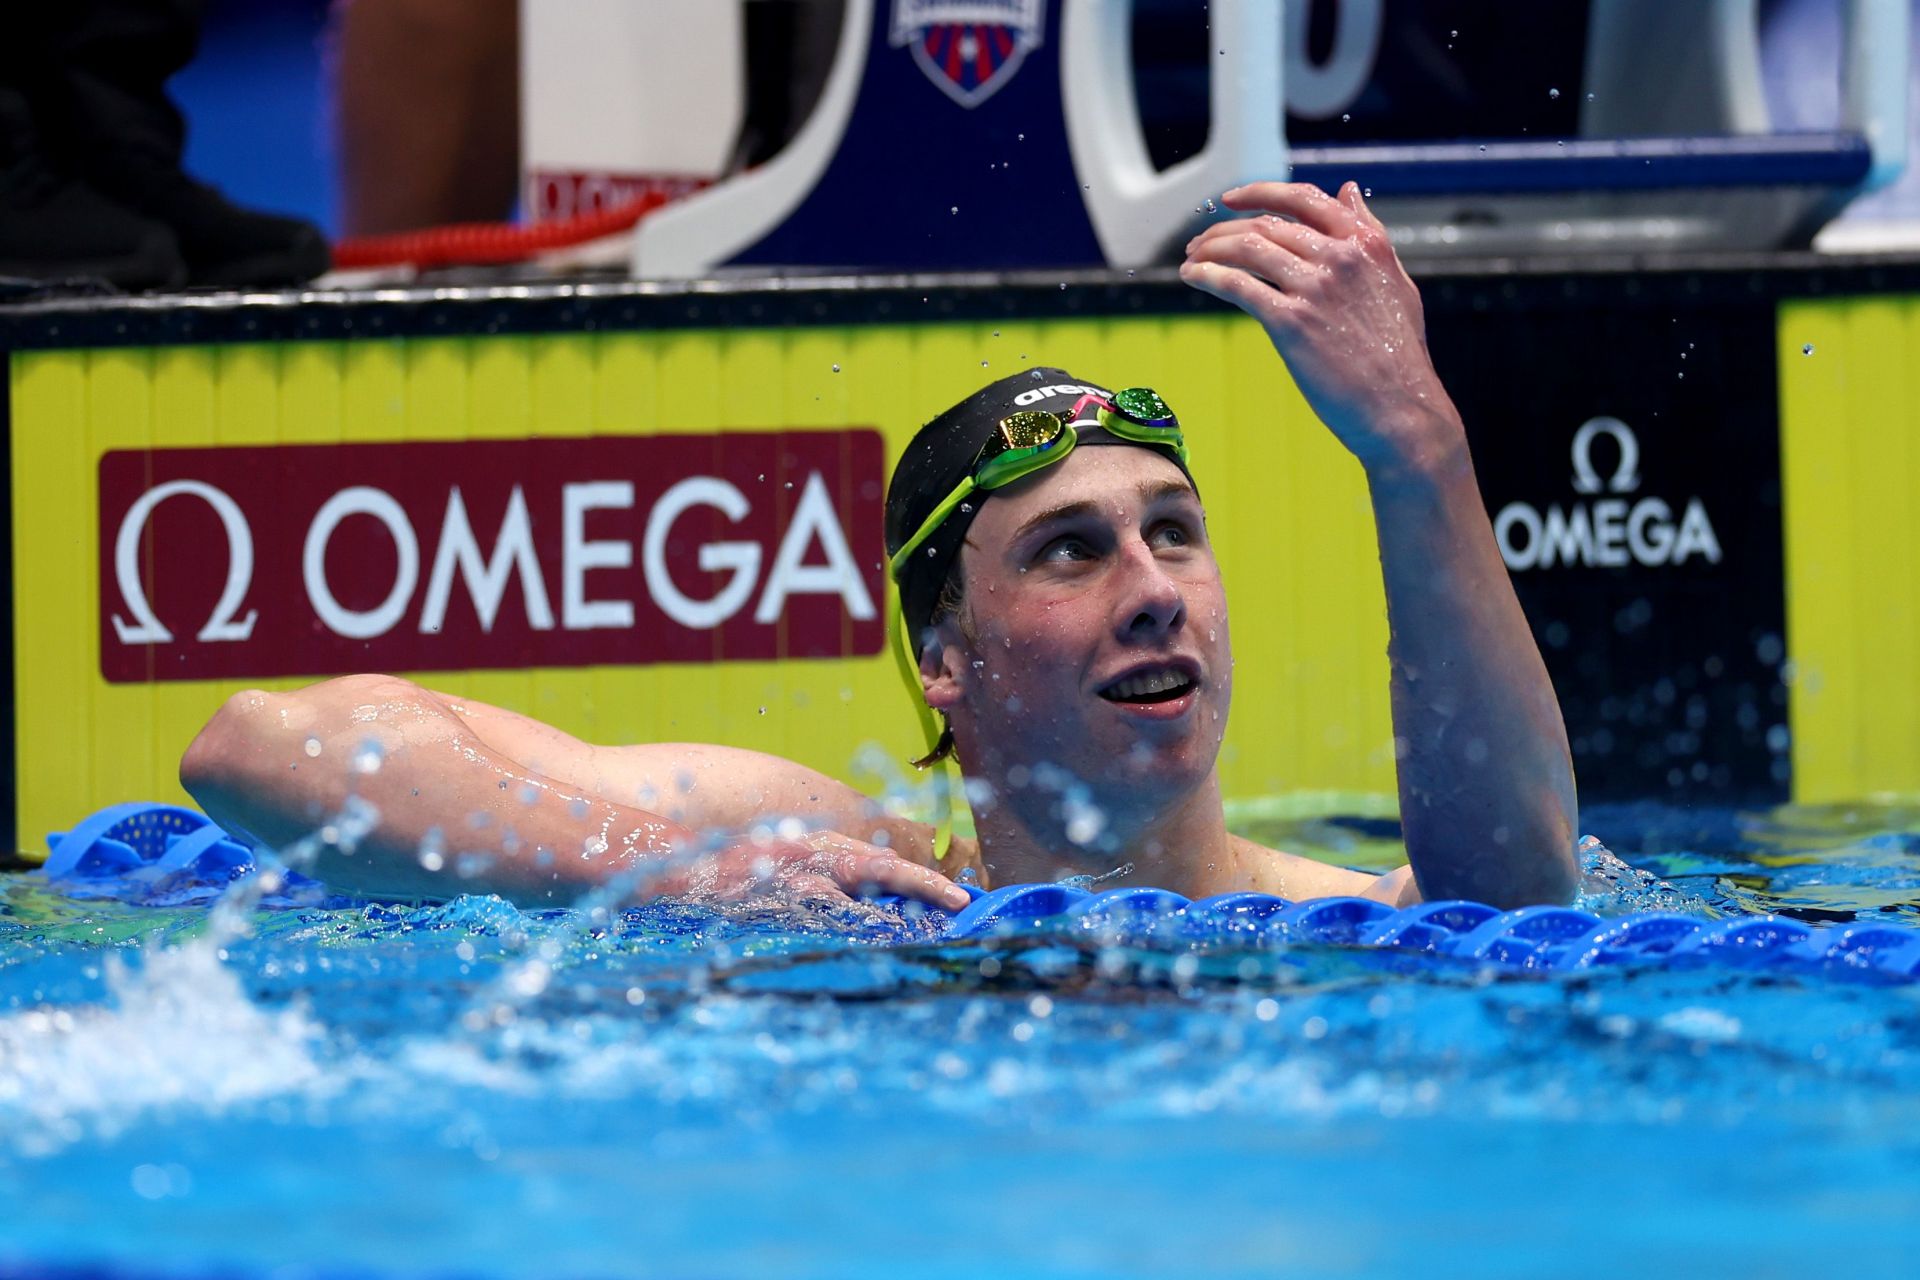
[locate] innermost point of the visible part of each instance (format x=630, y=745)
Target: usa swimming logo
x=969, y=48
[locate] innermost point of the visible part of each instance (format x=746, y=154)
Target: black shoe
x=54, y=228
x=221, y=243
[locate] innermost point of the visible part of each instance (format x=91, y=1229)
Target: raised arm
x=1486, y=782
x=461, y=809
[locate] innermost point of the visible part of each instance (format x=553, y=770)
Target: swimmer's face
x=1095, y=634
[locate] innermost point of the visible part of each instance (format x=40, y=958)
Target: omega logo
x=1610, y=532
x=813, y=531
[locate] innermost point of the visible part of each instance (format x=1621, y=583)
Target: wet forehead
x=1118, y=479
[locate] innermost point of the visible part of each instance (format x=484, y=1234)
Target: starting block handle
x=1874, y=83
x=1136, y=209
x=691, y=237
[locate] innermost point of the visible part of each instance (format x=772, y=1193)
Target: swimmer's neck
x=1184, y=847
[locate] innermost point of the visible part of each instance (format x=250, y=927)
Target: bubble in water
x=313, y=746
x=954, y=209
x=1019, y=137
x=1211, y=207
x=1806, y=348
x=1589, y=97
x=1345, y=118
x=1553, y=93
x=1063, y=286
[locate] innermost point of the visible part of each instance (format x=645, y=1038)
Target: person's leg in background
x=428, y=103
x=98, y=94
x=53, y=227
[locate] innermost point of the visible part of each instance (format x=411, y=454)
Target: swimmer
x=1068, y=627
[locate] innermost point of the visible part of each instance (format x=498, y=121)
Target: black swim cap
x=944, y=453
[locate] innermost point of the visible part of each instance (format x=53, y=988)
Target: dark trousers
x=81, y=80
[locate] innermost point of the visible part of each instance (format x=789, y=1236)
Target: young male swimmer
x=1070, y=627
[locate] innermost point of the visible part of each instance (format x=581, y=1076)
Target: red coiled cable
x=491, y=243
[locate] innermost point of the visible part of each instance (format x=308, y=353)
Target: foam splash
x=176, y=1033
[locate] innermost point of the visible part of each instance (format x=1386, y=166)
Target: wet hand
x=1321, y=276
x=822, y=867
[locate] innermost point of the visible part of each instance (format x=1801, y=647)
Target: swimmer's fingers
x=1291, y=237
x=1260, y=257
x=861, y=868
x=1299, y=200
x=1257, y=297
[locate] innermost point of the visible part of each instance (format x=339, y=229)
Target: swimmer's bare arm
x=1486, y=781
x=700, y=785
x=276, y=766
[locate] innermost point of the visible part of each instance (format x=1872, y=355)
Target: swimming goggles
x=1025, y=442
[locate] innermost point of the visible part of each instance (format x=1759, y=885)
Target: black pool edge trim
x=10, y=858
x=492, y=306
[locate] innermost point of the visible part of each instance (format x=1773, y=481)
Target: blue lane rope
x=147, y=841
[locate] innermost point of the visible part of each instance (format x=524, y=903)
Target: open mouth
x=1147, y=687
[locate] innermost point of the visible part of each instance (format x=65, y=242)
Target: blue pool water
x=472, y=1089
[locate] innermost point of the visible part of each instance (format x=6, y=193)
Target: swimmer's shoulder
x=1260, y=869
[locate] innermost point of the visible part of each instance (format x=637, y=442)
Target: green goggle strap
x=933, y=521
x=902, y=646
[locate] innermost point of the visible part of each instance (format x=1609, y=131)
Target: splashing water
x=494, y=1090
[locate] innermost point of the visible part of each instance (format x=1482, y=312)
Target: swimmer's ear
x=943, y=667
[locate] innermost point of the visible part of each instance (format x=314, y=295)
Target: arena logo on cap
x=970, y=49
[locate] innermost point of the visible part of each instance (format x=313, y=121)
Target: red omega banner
x=322, y=559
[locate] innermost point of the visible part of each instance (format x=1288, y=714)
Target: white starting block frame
x=1675, y=151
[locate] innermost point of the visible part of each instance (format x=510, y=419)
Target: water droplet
x=1553, y=93
x=313, y=746
x=1806, y=348
x=836, y=368
x=1345, y=118
x=368, y=757
x=763, y=711
x=1367, y=192
x=983, y=364
x=1211, y=207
